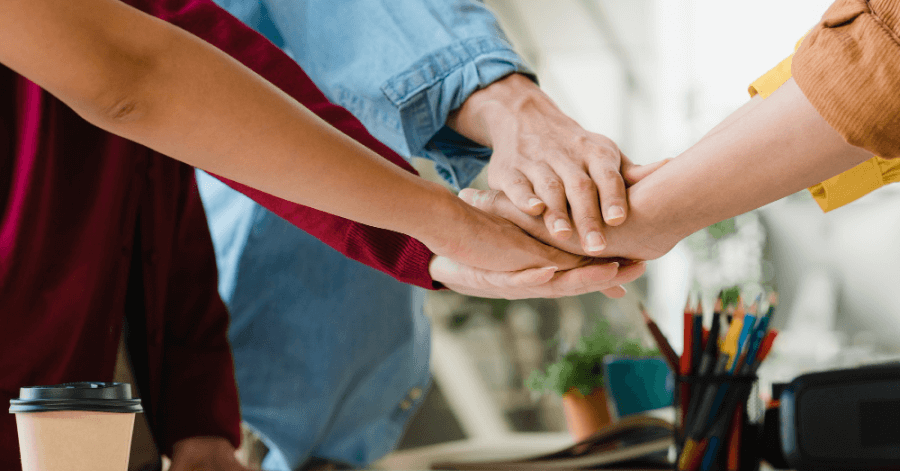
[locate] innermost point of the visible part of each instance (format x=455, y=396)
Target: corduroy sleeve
x=849, y=69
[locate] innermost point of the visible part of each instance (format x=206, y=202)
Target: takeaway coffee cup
x=75, y=426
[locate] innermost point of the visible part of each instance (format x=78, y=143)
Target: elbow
x=122, y=107
x=122, y=96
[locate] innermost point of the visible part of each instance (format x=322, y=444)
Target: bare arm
x=773, y=148
x=781, y=146
x=153, y=83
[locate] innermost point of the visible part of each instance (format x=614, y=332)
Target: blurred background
x=655, y=75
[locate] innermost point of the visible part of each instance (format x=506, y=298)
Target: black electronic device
x=842, y=419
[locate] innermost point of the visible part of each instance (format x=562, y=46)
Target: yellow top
x=848, y=186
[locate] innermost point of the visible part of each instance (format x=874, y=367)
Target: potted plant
x=578, y=378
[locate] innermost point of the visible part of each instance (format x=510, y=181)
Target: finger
x=597, y=277
x=488, y=284
x=585, y=204
x=629, y=273
x=519, y=190
x=550, y=189
x=615, y=292
x=514, y=280
x=612, y=188
x=496, y=203
x=471, y=196
x=633, y=173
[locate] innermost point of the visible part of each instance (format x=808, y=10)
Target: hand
x=205, y=454
x=636, y=240
x=480, y=240
x=545, y=162
x=535, y=282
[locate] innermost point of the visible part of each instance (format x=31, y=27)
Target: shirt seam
x=484, y=46
x=884, y=26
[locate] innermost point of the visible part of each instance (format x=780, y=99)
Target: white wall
x=694, y=60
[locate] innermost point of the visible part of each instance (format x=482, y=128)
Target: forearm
x=269, y=135
x=779, y=147
x=196, y=104
x=235, y=124
x=735, y=116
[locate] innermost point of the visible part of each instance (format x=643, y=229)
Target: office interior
x=655, y=76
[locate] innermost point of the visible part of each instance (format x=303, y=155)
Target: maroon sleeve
x=398, y=255
x=198, y=392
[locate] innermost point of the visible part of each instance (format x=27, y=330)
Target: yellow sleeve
x=768, y=83
x=849, y=186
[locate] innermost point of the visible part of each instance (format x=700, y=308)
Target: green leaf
x=730, y=296
x=581, y=368
x=722, y=228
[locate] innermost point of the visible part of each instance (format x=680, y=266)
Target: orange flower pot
x=585, y=414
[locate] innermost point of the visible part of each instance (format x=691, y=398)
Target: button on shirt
x=332, y=357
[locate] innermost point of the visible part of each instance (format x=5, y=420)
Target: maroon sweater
x=97, y=231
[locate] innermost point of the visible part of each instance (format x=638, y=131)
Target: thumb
x=634, y=173
x=481, y=199
x=528, y=278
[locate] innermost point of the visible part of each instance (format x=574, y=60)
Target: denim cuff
x=439, y=83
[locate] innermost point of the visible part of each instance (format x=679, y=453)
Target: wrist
x=436, y=209
x=488, y=113
x=657, y=219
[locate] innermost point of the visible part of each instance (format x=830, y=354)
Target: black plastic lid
x=84, y=396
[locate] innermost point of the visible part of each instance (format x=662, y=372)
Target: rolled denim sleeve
x=401, y=66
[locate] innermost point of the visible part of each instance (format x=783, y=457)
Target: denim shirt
x=400, y=66
x=331, y=356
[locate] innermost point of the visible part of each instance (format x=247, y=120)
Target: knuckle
x=519, y=181
x=584, y=185
x=552, y=184
x=582, y=140
x=609, y=174
x=589, y=221
x=490, y=198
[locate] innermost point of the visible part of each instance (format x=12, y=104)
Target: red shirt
x=95, y=229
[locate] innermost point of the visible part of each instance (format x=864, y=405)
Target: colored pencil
x=715, y=412
x=685, y=370
x=734, y=438
x=721, y=422
x=705, y=370
x=668, y=352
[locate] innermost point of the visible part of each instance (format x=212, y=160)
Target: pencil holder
x=712, y=430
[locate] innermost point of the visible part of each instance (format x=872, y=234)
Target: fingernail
x=560, y=225
x=534, y=202
x=550, y=268
x=615, y=212
x=594, y=242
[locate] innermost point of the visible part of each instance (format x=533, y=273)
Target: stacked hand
x=562, y=185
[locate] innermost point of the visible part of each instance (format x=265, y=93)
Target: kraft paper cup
x=75, y=426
